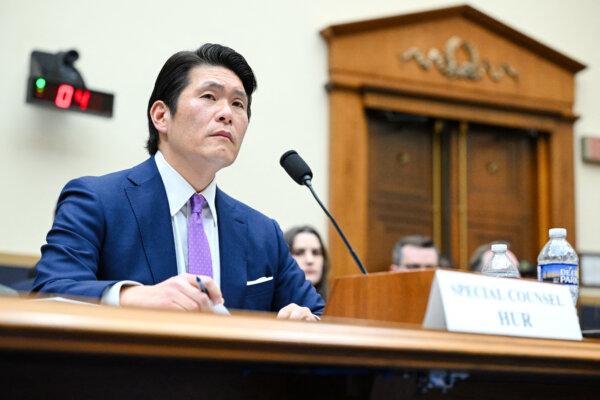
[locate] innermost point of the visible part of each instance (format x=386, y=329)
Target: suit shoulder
x=108, y=182
x=244, y=209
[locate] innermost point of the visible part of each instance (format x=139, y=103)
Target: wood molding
x=18, y=260
x=349, y=132
x=467, y=97
x=461, y=111
x=562, y=180
x=589, y=296
x=70, y=329
x=464, y=11
x=543, y=190
x=437, y=183
x=463, y=203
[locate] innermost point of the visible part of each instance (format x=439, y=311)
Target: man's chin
x=223, y=160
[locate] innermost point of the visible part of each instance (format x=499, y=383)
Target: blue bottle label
x=565, y=274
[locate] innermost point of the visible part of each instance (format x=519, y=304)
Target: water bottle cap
x=499, y=248
x=557, y=233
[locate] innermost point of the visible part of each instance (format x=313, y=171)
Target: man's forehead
x=217, y=77
x=416, y=252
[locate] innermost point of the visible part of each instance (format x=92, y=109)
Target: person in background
x=413, y=252
x=483, y=254
x=308, y=250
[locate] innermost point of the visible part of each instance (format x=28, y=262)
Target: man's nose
x=225, y=113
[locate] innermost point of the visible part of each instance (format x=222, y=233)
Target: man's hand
x=294, y=311
x=179, y=292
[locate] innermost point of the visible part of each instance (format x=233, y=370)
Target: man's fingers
x=302, y=313
x=184, y=303
x=211, y=286
x=295, y=312
x=194, y=294
x=178, y=292
x=213, y=290
x=285, y=312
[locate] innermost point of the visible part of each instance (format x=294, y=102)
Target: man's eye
x=208, y=96
x=239, y=104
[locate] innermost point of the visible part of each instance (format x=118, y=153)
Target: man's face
x=210, y=121
x=414, y=257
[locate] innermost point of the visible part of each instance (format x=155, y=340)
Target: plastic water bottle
x=500, y=265
x=558, y=262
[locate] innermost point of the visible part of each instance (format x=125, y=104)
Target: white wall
x=123, y=44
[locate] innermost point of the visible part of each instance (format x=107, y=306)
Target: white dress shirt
x=179, y=192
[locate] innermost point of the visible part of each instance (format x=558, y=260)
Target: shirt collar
x=179, y=190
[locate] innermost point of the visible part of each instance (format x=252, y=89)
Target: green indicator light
x=40, y=83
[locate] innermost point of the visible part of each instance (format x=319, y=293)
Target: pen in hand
x=217, y=308
x=201, y=285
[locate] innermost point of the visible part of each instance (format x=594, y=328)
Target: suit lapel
x=233, y=249
x=149, y=202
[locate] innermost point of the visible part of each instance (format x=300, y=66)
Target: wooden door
x=502, y=189
x=400, y=195
x=461, y=184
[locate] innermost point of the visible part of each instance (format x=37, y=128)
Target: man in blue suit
x=142, y=236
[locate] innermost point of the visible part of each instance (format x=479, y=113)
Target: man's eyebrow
x=217, y=86
x=241, y=93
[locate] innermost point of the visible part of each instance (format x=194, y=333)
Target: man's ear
x=161, y=116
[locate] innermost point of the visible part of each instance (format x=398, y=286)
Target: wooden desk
x=47, y=346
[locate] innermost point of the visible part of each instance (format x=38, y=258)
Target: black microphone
x=300, y=172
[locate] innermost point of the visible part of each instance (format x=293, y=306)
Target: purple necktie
x=199, y=260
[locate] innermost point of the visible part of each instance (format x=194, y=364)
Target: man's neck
x=199, y=177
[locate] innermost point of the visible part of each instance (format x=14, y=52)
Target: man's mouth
x=224, y=134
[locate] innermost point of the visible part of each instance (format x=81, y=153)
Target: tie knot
x=197, y=202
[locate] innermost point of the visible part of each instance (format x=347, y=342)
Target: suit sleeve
x=291, y=284
x=71, y=257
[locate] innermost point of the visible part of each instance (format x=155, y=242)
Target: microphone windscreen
x=295, y=166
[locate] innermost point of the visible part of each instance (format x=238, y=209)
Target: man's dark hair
x=174, y=77
x=412, y=240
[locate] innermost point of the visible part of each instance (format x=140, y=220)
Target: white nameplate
x=465, y=302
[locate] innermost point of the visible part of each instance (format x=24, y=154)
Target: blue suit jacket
x=118, y=227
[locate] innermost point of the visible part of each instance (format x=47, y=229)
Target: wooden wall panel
x=562, y=179
x=348, y=179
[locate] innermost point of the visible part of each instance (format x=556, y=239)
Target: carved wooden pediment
x=455, y=52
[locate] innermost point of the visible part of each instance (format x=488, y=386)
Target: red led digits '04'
x=64, y=96
x=82, y=98
x=67, y=96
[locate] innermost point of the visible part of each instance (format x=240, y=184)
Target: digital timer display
x=66, y=96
